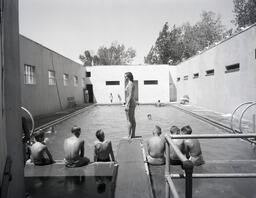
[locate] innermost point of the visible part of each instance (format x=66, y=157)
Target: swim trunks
x=155, y=161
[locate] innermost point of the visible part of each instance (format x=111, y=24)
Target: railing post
x=253, y=123
x=188, y=167
x=167, y=169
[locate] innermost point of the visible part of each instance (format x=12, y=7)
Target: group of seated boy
x=73, y=149
x=190, y=148
x=103, y=152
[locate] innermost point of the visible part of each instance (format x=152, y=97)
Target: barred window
x=75, y=81
x=150, y=82
x=51, y=77
x=65, y=79
x=196, y=75
x=209, y=72
x=29, y=75
x=112, y=82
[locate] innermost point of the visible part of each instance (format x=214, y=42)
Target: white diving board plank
x=132, y=179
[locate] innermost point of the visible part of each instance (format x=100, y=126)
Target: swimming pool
x=113, y=121
x=111, y=118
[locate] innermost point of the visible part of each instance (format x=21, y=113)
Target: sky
x=70, y=27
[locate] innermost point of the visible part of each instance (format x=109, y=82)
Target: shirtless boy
x=74, y=150
x=103, y=148
x=39, y=150
x=174, y=159
x=193, y=147
x=156, y=148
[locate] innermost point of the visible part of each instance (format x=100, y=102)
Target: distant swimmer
x=156, y=148
x=111, y=98
x=149, y=116
x=192, y=147
x=74, y=149
x=40, y=155
x=159, y=104
x=174, y=159
x=103, y=148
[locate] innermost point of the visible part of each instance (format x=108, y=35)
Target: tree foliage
x=245, y=12
x=178, y=43
x=116, y=54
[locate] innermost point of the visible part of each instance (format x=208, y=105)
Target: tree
x=179, y=43
x=245, y=12
x=209, y=30
x=116, y=54
x=86, y=58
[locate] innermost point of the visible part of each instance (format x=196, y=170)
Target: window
x=178, y=79
x=75, y=81
x=29, y=75
x=185, y=77
x=51, y=77
x=112, y=82
x=65, y=79
x=150, y=82
x=232, y=68
x=209, y=72
x=83, y=82
x=196, y=75
x=88, y=74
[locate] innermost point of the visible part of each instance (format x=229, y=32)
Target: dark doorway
x=90, y=92
x=136, y=92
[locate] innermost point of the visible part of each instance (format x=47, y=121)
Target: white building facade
x=151, y=81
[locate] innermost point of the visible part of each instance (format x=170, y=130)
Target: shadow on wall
x=173, y=89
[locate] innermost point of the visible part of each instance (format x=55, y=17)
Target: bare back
x=37, y=152
x=156, y=147
x=193, y=146
x=103, y=149
x=72, y=148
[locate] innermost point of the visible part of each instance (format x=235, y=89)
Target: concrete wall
x=41, y=98
x=10, y=118
x=222, y=91
x=146, y=93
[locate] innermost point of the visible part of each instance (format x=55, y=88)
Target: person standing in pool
x=130, y=104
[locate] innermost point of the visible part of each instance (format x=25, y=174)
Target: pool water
x=70, y=186
x=113, y=122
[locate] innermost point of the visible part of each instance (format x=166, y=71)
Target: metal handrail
x=188, y=165
x=240, y=121
x=32, y=120
x=216, y=175
x=214, y=136
x=231, y=121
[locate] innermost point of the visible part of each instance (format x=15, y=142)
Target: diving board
x=132, y=178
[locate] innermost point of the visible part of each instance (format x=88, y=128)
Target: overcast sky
x=71, y=26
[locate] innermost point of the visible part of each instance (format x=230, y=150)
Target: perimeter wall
x=233, y=80
x=40, y=97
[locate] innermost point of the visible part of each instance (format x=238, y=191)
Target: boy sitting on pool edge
x=103, y=148
x=156, y=148
x=74, y=150
x=192, y=147
x=39, y=150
